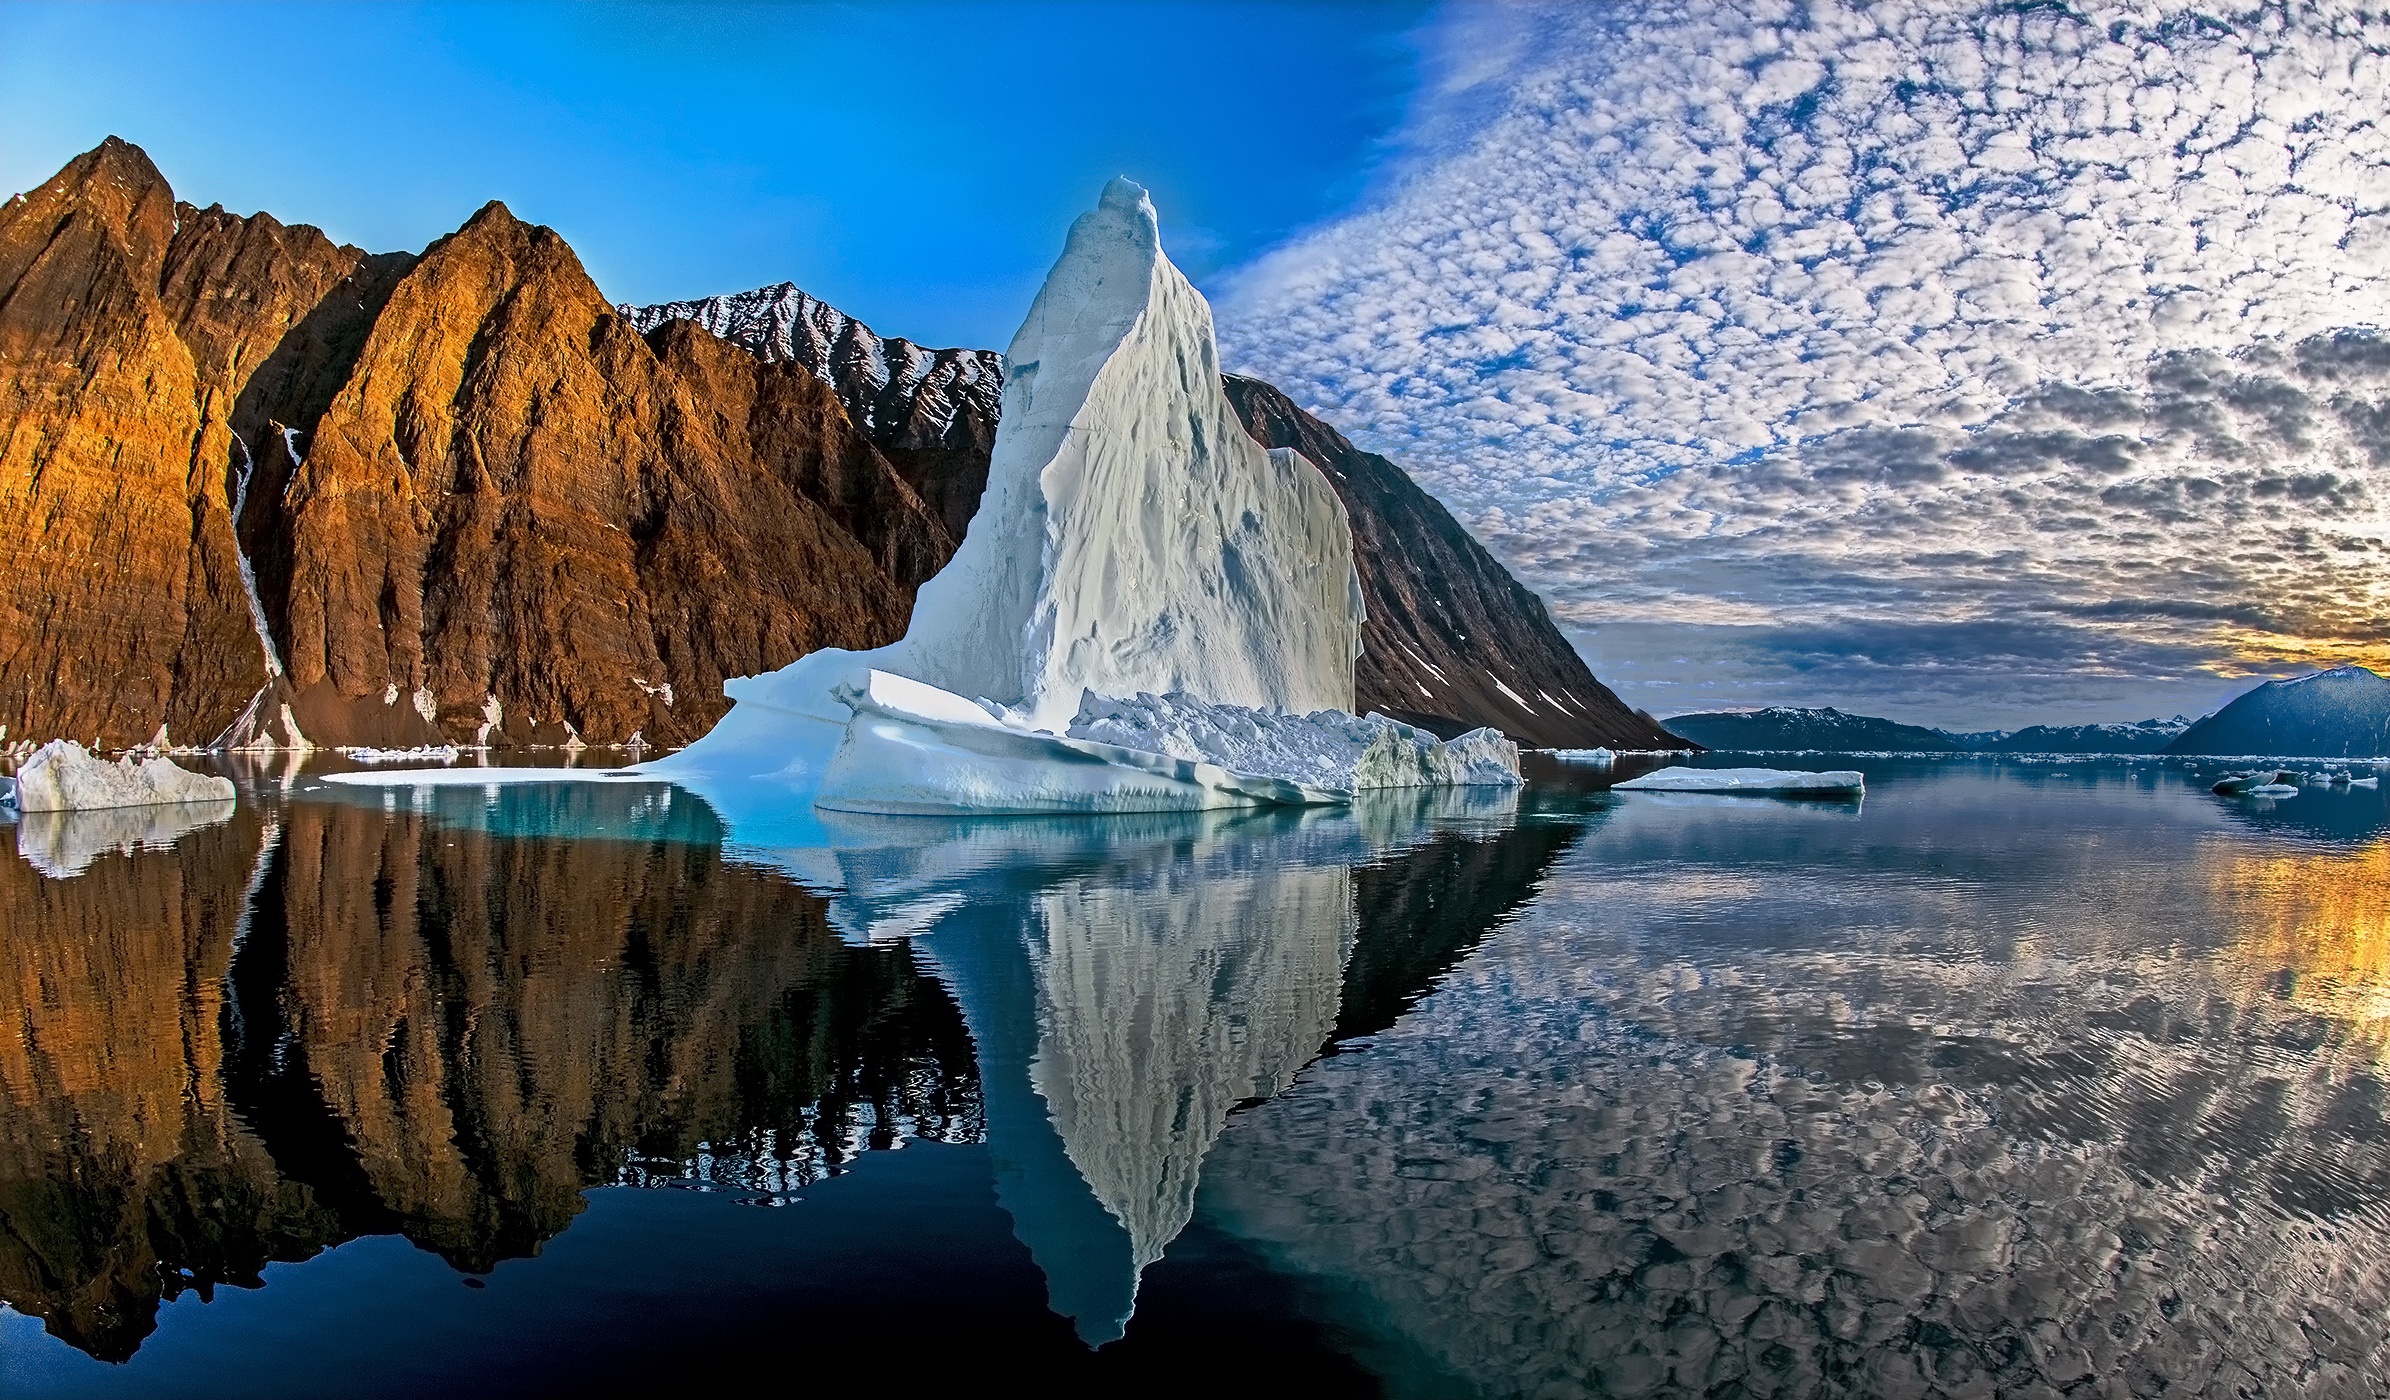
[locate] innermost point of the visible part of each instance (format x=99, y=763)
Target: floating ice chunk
x=1751, y=782
x=2269, y=783
x=427, y=753
x=62, y=776
x=1599, y=758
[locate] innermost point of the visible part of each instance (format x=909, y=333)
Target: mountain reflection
x=247, y=1036
x=282, y=1034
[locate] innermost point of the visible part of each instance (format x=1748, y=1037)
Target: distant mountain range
x=261, y=488
x=2343, y=713
x=1830, y=730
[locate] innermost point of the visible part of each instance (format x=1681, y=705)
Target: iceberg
x=63, y=776
x=1149, y=612
x=1749, y=782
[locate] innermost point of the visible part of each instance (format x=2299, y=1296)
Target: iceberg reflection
x=63, y=845
x=1127, y=983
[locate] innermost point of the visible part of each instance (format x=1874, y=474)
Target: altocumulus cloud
x=1973, y=363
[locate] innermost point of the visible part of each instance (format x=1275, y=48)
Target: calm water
x=2016, y=1079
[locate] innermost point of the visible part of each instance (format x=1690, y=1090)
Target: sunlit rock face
x=1683, y=1131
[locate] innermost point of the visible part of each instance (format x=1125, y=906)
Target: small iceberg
x=1749, y=782
x=2271, y=783
x=1599, y=758
x=63, y=776
x=2365, y=782
x=425, y=753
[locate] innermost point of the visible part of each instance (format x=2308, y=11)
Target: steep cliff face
x=274, y=489
x=519, y=513
x=121, y=609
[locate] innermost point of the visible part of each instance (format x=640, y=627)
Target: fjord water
x=2013, y=1076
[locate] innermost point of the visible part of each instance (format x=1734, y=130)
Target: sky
x=1974, y=364
x=915, y=165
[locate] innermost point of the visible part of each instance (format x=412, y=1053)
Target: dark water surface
x=2017, y=1079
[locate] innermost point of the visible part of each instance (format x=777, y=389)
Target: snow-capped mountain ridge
x=903, y=395
x=1787, y=727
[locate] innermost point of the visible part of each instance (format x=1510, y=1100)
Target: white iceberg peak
x=1132, y=537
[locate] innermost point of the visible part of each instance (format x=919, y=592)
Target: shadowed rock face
x=2343, y=713
x=477, y=503
x=933, y=412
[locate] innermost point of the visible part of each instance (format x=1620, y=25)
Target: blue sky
x=1971, y=362
x=915, y=165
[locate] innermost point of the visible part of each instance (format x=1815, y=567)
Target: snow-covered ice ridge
x=1330, y=750
x=895, y=388
x=63, y=776
x=1133, y=541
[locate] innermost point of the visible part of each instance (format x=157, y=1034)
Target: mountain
x=933, y=412
x=389, y=498
x=2144, y=736
x=386, y=498
x=1784, y=727
x=1831, y=731
x=1450, y=642
x=2343, y=713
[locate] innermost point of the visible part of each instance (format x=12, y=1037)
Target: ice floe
x=427, y=753
x=1750, y=782
x=1599, y=758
